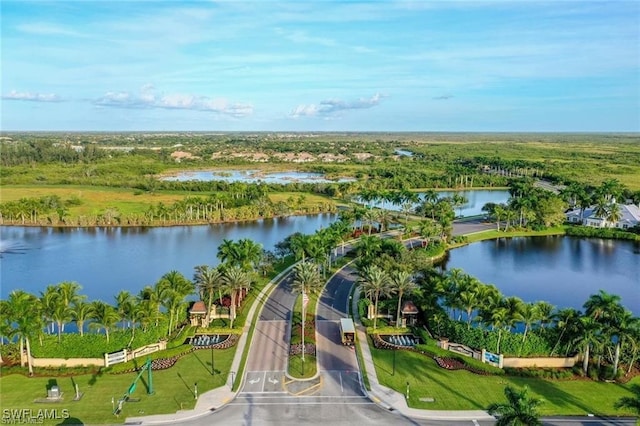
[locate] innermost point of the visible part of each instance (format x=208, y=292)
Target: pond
x=564, y=271
x=107, y=260
x=252, y=176
x=476, y=199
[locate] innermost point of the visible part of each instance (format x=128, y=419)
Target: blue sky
x=321, y=65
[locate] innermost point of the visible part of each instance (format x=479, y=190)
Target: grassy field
x=173, y=387
x=95, y=199
x=462, y=390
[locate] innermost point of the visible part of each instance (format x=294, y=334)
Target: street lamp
x=407, y=391
x=195, y=388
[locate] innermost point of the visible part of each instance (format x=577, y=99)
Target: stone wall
x=540, y=362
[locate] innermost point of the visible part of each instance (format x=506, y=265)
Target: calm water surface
x=252, y=176
x=476, y=199
x=561, y=270
x=107, y=260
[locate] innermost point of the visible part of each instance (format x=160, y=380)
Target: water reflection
x=561, y=270
x=107, y=260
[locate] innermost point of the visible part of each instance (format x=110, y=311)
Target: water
x=107, y=260
x=564, y=271
x=476, y=199
x=561, y=270
x=253, y=176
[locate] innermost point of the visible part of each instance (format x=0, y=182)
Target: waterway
x=107, y=260
x=252, y=176
x=561, y=270
x=564, y=271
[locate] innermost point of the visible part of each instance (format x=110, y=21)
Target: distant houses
x=628, y=217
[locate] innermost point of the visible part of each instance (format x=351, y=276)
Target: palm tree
x=235, y=280
x=566, y=319
x=306, y=278
x=375, y=282
x=208, y=280
x=23, y=312
x=124, y=306
x=61, y=314
x=545, y=312
x=520, y=409
x=48, y=300
x=589, y=336
x=499, y=318
x=603, y=307
x=105, y=316
x=529, y=314
x=402, y=283
x=80, y=312
x=622, y=329
x=172, y=288
x=613, y=214
x=630, y=402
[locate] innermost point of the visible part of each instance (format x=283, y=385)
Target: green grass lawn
x=173, y=389
x=300, y=371
x=462, y=390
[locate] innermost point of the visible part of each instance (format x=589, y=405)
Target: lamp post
x=407, y=391
x=195, y=389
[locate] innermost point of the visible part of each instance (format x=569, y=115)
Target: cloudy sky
x=321, y=65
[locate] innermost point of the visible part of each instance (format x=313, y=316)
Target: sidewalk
x=389, y=398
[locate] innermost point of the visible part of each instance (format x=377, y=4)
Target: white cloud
x=148, y=99
x=33, y=97
x=333, y=106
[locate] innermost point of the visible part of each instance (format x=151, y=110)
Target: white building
x=629, y=217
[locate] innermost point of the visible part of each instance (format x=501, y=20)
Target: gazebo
x=409, y=313
x=198, y=314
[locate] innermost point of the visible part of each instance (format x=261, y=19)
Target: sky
x=264, y=65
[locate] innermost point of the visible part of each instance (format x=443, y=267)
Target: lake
x=564, y=271
x=476, y=199
x=252, y=176
x=561, y=270
x=107, y=260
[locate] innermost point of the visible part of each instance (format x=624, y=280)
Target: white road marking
x=341, y=388
x=475, y=422
x=254, y=381
x=273, y=381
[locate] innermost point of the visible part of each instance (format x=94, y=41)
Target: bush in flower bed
x=296, y=349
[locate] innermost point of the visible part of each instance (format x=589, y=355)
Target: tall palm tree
x=402, y=283
x=375, y=282
x=622, y=329
x=48, y=301
x=603, y=307
x=61, y=314
x=124, y=307
x=589, y=336
x=307, y=278
x=208, y=280
x=545, y=312
x=567, y=319
x=235, y=280
x=24, y=312
x=499, y=318
x=105, y=316
x=520, y=409
x=80, y=313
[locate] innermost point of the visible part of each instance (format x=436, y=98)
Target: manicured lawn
x=462, y=390
x=173, y=389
